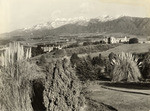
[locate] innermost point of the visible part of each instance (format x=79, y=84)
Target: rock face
x=62, y=88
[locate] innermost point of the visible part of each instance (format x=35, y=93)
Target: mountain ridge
x=123, y=24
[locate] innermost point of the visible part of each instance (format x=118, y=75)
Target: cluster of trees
x=37, y=51
x=73, y=45
x=123, y=67
x=90, y=48
x=88, y=68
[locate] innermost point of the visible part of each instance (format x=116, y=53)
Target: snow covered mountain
x=57, y=23
x=46, y=25
x=64, y=21
x=107, y=24
x=106, y=18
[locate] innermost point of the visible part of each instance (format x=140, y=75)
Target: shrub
x=125, y=68
x=133, y=40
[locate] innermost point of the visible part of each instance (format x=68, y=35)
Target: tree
x=125, y=68
x=112, y=56
x=146, y=66
x=42, y=60
x=133, y=41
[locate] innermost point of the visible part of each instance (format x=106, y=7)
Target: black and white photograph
x=74, y=55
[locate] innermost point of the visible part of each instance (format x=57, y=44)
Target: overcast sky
x=15, y=14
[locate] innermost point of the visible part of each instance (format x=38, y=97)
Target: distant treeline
x=90, y=48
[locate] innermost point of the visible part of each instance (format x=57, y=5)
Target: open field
x=118, y=99
x=132, y=48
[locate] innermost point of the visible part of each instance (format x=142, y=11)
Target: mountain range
x=105, y=24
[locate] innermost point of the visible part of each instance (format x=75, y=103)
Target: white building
x=112, y=40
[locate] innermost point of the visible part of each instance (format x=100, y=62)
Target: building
x=112, y=40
